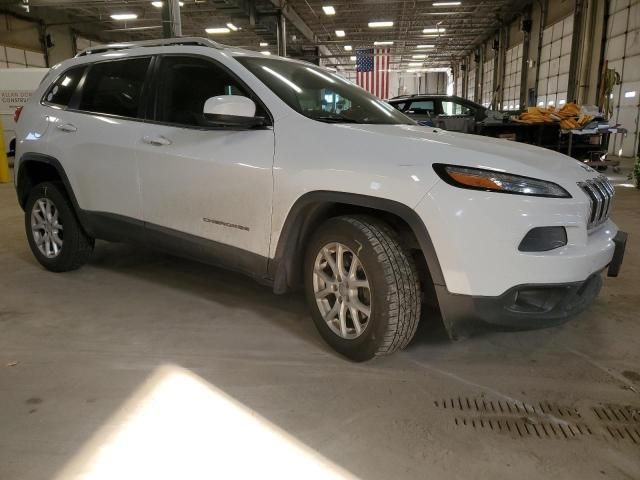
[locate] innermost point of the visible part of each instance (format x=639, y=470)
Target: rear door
x=207, y=182
x=95, y=137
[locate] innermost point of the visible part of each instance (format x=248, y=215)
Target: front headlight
x=492, y=181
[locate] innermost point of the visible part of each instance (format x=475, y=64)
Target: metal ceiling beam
x=293, y=17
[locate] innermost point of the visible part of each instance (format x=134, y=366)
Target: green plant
x=635, y=173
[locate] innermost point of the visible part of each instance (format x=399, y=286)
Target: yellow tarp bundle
x=569, y=116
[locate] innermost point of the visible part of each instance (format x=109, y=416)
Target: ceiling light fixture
x=232, y=27
x=415, y=64
x=425, y=46
x=446, y=4
x=434, y=30
x=418, y=56
x=340, y=33
x=329, y=10
x=352, y=58
x=159, y=4
x=380, y=24
x=124, y=16
x=266, y=52
x=215, y=30
x=383, y=43
x=348, y=48
x=264, y=44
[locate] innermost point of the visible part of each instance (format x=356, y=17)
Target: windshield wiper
x=333, y=118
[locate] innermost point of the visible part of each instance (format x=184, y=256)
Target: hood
x=482, y=152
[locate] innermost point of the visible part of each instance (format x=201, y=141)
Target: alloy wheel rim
x=46, y=228
x=341, y=289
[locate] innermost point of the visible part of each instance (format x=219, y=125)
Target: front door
x=204, y=182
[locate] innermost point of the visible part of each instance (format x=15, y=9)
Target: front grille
x=600, y=193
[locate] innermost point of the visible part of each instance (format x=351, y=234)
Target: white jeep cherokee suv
x=287, y=172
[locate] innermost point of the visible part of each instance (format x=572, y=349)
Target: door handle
x=67, y=127
x=158, y=141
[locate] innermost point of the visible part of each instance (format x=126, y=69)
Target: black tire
x=394, y=286
x=76, y=245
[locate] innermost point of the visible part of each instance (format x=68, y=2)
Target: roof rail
x=198, y=41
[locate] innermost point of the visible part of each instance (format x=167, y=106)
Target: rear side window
x=115, y=88
x=61, y=91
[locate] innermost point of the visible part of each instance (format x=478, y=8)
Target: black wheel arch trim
x=22, y=188
x=32, y=157
x=312, y=205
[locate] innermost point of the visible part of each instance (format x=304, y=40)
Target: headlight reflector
x=492, y=181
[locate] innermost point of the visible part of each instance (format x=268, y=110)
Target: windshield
x=320, y=94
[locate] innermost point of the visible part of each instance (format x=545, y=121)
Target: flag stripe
x=372, y=70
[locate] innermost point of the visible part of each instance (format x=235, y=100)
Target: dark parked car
x=446, y=111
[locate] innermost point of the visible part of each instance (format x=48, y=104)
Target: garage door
x=487, y=83
x=555, y=56
x=83, y=43
x=471, y=81
x=623, y=54
x=512, y=77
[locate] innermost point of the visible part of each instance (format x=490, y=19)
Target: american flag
x=372, y=70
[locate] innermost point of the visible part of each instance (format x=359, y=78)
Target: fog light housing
x=543, y=239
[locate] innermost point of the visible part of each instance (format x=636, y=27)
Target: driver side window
x=421, y=107
x=186, y=83
x=333, y=102
x=453, y=108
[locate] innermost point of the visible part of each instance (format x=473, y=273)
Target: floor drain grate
x=482, y=405
x=621, y=432
x=617, y=413
x=544, y=419
x=523, y=427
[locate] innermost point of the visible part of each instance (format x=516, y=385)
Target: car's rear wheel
x=53, y=231
x=362, y=287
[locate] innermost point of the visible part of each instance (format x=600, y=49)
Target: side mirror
x=231, y=111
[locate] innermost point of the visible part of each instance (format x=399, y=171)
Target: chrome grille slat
x=605, y=201
x=600, y=193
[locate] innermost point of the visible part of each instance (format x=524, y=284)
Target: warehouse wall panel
x=11, y=57
x=623, y=54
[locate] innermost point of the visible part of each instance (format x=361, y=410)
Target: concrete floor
x=76, y=350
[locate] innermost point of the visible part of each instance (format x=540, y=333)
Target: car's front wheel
x=362, y=287
x=53, y=231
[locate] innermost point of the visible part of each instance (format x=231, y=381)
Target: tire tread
x=402, y=280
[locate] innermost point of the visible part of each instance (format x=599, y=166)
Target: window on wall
x=553, y=78
x=623, y=54
x=512, y=77
x=487, y=83
x=18, y=58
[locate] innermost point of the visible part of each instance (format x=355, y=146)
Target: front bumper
x=525, y=306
